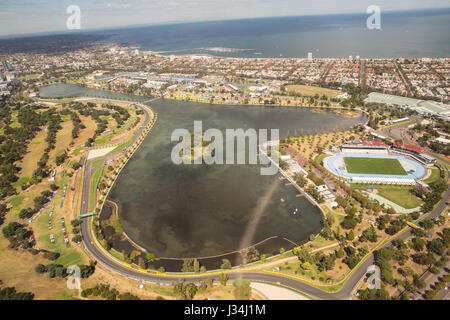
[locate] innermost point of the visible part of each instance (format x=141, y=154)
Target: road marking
x=393, y=125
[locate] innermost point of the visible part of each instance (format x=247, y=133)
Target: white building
x=294, y=167
x=443, y=140
x=343, y=96
x=363, y=149
x=154, y=84
x=382, y=180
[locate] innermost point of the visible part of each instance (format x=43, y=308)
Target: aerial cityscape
x=273, y=156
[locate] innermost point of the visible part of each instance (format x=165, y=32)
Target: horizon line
x=122, y=27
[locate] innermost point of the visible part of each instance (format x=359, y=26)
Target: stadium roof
x=374, y=143
x=408, y=147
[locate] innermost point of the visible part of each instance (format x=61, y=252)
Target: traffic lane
x=344, y=293
x=399, y=133
x=261, y=276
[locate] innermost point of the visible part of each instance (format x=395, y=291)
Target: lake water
x=201, y=210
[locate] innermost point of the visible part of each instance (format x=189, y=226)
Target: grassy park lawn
x=87, y=132
x=312, y=91
x=21, y=181
x=17, y=266
x=320, y=242
x=17, y=270
x=77, y=151
x=30, y=77
x=218, y=292
x=120, y=147
x=401, y=196
x=24, y=200
x=34, y=152
x=312, y=272
x=69, y=255
x=116, y=132
x=96, y=162
x=320, y=158
x=63, y=139
x=374, y=166
x=435, y=175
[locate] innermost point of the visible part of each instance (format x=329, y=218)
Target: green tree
x=223, y=279
x=226, y=264
x=190, y=291
x=351, y=235
x=40, y=268
x=242, y=289
x=418, y=244
x=196, y=265
x=428, y=224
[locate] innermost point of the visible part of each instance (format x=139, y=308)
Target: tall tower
x=310, y=56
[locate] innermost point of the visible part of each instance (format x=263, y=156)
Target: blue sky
x=32, y=16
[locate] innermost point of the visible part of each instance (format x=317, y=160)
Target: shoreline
x=134, y=243
x=327, y=108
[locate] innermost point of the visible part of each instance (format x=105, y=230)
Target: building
x=376, y=135
x=382, y=180
x=423, y=107
x=408, y=148
x=294, y=167
x=425, y=159
x=232, y=88
x=345, y=95
x=172, y=87
x=325, y=192
x=400, y=120
x=310, y=56
x=443, y=140
x=416, y=153
x=154, y=84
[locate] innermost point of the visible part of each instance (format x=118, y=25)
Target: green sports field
x=374, y=166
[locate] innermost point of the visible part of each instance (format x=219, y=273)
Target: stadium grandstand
x=408, y=148
x=415, y=152
x=365, y=147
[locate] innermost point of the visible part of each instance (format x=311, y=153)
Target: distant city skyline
x=39, y=16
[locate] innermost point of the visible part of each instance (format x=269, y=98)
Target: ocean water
x=403, y=34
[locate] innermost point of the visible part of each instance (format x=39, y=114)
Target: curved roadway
x=301, y=286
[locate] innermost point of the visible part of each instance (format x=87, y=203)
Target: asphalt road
x=399, y=132
x=303, y=287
